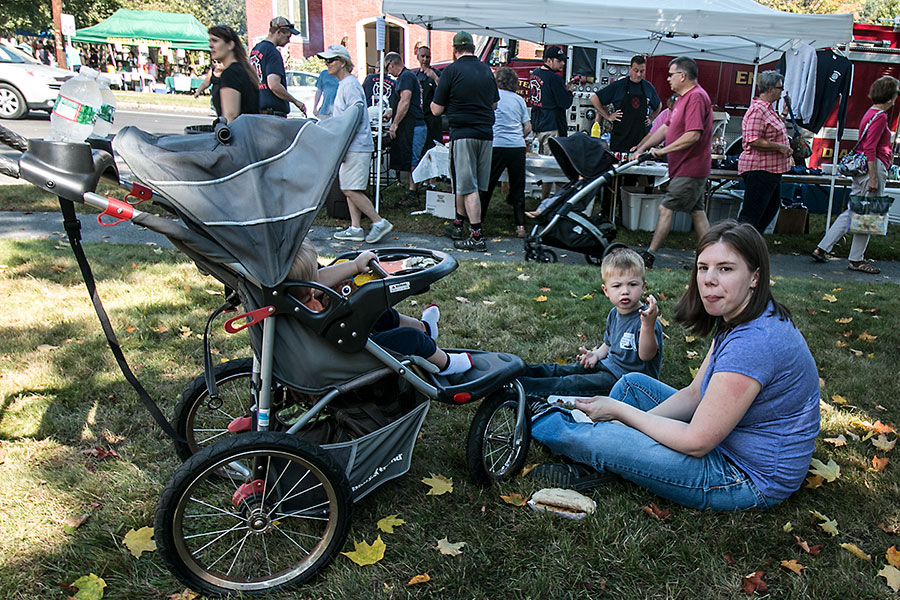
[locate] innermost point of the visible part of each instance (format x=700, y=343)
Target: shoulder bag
x=855, y=163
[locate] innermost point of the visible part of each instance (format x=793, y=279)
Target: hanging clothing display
x=834, y=76
x=799, y=66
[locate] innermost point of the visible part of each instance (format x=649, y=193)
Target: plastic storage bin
x=724, y=205
x=640, y=212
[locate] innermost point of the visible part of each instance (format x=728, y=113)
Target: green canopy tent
x=149, y=28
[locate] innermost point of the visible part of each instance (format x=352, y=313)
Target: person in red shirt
x=688, y=137
x=875, y=143
x=767, y=153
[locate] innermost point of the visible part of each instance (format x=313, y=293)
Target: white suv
x=26, y=84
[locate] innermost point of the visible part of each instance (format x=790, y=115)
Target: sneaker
x=471, y=243
x=378, y=231
x=538, y=406
x=454, y=232
x=572, y=476
x=351, y=234
x=648, y=258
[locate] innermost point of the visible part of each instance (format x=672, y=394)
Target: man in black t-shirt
x=428, y=79
x=407, y=128
x=269, y=65
x=636, y=105
x=468, y=93
x=550, y=99
x=370, y=88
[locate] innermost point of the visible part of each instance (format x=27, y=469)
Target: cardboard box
x=440, y=204
x=792, y=220
x=640, y=211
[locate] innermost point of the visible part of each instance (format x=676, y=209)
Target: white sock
x=431, y=315
x=458, y=363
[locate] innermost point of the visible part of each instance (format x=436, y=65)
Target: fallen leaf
x=463, y=299
x=892, y=529
x=829, y=298
x=694, y=371
x=814, y=481
x=388, y=523
x=837, y=289
x=439, y=484
x=792, y=565
x=445, y=547
x=893, y=556
x=864, y=336
x=488, y=302
x=100, y=453
x=657, y=513
x=74, y=522
x=366, y=554
x=140, y=541
x=837, y=441
x=161, y=329
x=541, y=298
x=523, y=276
x=821, y=382
x=419, y=579
x=691, y=354
x=870, y=355
x=514, y=499
x=57, y=269
x=880, y=427
x=881, y=442
x=662, y=321
x=828, y=525
x=46, y=348
x=754, y=583
x=879, y=464
x=841, y=344
x=812, y=311
x=527, y=469
x=90, y=587
x=130, y=328
x=838, y=399
x=689, y=338
x=544, y=289
x=812, y=550
x=587, y=297
x=892, y=575
x=187, y=594
x=855, y=551
x=729, y=559
x=830, y=471
x=844, y=320
x=856, y=353
x=787, y=527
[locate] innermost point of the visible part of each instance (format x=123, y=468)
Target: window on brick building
x=295, y=11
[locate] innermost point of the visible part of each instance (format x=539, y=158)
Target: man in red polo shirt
x=688, y=136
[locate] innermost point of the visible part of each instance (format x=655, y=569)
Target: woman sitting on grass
x=741, y=435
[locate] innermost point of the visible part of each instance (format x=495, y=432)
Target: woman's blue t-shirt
x=774, y=440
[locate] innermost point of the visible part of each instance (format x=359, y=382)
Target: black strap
x=231, y=302
x=73, y=230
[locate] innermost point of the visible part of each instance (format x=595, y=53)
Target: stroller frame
x=259, y=481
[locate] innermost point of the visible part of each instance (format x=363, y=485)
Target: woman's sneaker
x=571, y=476
x=378, y=231
x=351, y=234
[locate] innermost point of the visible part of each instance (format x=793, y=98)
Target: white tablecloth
x=436, y=163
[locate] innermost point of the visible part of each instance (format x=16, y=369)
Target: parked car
x=26, y=84
x=302, y=86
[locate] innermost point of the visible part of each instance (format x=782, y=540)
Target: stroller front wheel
x=496, y=449
x=276, y=520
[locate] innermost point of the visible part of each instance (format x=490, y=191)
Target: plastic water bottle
x=76, y=107
x=107, y=115
x=595, y=130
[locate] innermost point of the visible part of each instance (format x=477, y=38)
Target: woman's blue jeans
x=708, y=482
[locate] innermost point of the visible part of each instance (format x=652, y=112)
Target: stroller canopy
x=258, y=195
x=580, y=154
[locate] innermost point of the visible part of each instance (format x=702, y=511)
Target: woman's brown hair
x=744, y=239
x=224, y=32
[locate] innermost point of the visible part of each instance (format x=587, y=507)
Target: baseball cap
x=463, y=38
x=279, y=22
x=554, y=52
x=335, y=51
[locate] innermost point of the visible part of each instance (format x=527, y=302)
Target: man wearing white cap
x=354, y=174
x=269, y=65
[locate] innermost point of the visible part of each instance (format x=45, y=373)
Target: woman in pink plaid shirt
x=767, y=153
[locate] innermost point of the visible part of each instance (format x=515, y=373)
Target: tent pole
x=755, y=73
x=378, y=158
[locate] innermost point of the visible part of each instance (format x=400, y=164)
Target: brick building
x=325, y=22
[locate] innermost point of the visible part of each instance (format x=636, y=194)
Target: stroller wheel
x=202, y=422
x=493, y=450
x=275, y=521
x=545, y=255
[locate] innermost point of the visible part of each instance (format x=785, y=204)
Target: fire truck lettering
x=742, y=77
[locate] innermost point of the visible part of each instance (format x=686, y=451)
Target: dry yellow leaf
x=691, y=354
x=689, y=338
x=439, y=484
x=694, y=371
x=828, y=525
x=366, y=554
x=838, y=399
x=892, y=575
x=855, y=551
x=792, y=565
x=587, y=297
x=837, y=289
x=837, y=441
x=879, y=464
x=821, y=382
x=830, y=471
x=881, y=442
x=856, y=353
x=514, y=499
x=187, y=594
x=893, y=556
x=814, y=481
x=663, y=322
x=841, y=344
x=388, y=523
x=829, y=298
x=46, y=348
x=544, y=289
x=541, y=298
x=419, y=579
x=527, y=469
x=866, y=337
x=139, y=541
x=844, y=320
x=90, y=587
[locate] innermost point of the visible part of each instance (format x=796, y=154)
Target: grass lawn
x=170, y=100
x=62, y=395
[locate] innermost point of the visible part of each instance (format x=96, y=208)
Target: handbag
x=855, y=163
x=800, y=147
x=869, y=214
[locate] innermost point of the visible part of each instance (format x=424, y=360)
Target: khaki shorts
x=543, y=139
x=354, y=174
x=470, y=165
x=686, y=194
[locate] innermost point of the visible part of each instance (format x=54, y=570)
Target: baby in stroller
x=394, y=331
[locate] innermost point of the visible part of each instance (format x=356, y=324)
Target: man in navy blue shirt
x=269, y=65
x=550, y=99
x=636, y=104
x=407, y=129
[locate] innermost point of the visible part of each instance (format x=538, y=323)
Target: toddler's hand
x=586, y=358
x=649, y=314
x=363, y=259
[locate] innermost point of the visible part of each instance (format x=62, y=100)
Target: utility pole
x=56, y=8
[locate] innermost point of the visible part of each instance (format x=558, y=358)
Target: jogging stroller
x=263, y=500
x=565, y=221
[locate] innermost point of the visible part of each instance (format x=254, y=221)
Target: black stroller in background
x=263, y=500
x=564, y=221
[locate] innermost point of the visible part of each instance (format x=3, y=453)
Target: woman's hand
x=599, y=408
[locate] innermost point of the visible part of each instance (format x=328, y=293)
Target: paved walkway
x=15, y=225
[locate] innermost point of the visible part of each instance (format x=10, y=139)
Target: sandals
x=819, y=255
x=864, y=267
